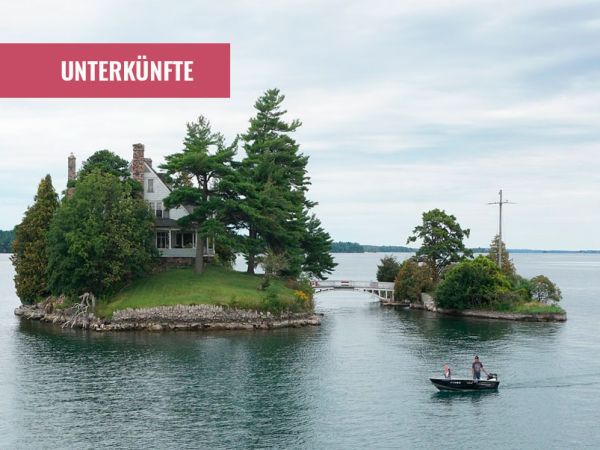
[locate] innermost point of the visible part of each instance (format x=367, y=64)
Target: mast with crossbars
x=500, y=203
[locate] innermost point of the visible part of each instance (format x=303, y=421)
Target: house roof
x=165, y=222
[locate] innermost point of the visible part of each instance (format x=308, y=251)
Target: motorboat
x=466, y=384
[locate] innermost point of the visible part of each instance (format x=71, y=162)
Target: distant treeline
x=6, y=239
x=355, y=247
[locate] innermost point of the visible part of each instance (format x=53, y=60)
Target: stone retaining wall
x=178, y=317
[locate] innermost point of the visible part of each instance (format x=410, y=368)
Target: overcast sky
x=406, y=106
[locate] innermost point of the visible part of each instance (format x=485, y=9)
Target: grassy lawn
x=217, y=286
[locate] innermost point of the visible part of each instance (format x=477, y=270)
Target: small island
x=131, y=246
x=445, y=277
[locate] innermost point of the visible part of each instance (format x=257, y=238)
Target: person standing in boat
x=447, y=371
x=477, y=368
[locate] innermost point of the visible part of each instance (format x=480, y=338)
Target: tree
x=507, y=265
x=388, y=268
x=272, y=186
x=412, y=279
x=100, y=238
x=105, y=161
x=197, y=170
x=442, y=238
x=273, y=264
x=544, y=290
x=316, y=244
x=471, y=284
x=6, y=240
x=29, y=247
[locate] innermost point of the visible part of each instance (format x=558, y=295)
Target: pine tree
x=198, y=171
x=29, y=247
x=507, y=267
x=273, y=183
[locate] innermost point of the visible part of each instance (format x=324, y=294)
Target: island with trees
x=444, y=276
x=91, y=258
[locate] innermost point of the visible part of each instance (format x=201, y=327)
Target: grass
x=216, y=286
x=537, y=308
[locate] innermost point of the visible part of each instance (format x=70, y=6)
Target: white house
x=170, y=240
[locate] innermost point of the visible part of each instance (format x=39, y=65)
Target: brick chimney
x=71, y=174
x=137, y=163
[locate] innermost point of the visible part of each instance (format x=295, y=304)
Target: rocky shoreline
x=166, y=318
x=429, y=305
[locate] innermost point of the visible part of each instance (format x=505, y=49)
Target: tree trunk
x=199, y=263
x=251, y=263
x=251, y=255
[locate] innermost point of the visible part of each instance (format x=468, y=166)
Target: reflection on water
x=361, y=380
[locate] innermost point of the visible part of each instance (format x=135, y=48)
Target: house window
x=162, y=239
x=159, y=210
x=150, y=187
x=184, y=239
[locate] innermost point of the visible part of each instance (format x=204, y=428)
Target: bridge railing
x=353, y=284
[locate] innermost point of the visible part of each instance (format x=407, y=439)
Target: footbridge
x=383, y=290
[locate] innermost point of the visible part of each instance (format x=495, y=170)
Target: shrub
x=544, y=290
x=472, y=284
x=412, y=279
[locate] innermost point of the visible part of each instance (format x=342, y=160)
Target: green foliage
x=107, y=162
x=100, y=238
x=387, y=269
x=544, y=290
x=197, y=172
x=6, y=241
x=442, y=240
x=316, y=244
x=473, y=283
x=29, y=247
x=272, y=180
x=273, y=264
x=346, y=247
x=496, y=246
x=412, y=279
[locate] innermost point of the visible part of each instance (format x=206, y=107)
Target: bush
x=412, y=280
x=544, y=290
x=473, y=284
x=388, y=268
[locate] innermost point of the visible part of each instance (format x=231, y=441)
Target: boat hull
x=445, y=384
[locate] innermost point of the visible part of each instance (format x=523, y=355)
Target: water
x=358, y=381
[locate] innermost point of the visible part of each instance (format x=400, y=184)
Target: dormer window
x=150, y=187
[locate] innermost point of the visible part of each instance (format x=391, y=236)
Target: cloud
x=405, y=106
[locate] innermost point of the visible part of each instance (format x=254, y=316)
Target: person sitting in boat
x=477, y=368
x=447, y=371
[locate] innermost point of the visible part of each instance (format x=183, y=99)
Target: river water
x=358, y=381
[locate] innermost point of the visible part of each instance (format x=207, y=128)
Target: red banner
x=114, y=70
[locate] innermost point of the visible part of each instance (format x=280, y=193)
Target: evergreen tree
x=105, y=161
x=507, y=266
x=272, y=184
x=316, y=244
x=198, y=171
x=100, y=238
x=29, y=247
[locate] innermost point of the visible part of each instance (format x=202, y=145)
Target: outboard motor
x=492, y=376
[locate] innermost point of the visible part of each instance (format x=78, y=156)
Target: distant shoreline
x=354, y=247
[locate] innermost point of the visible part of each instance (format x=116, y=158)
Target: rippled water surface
x=358, y=381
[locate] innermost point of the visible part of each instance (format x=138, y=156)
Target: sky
x=406, y=106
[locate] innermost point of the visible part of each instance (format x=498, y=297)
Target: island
x=132, y=246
